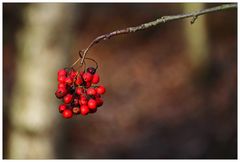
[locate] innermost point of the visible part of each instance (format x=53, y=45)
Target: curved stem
x=93, y=61
x=158, y=21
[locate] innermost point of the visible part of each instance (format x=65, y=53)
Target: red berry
x=76, y=92
x=61, y=79
x=68, y=98
x=62, y=107
x=100, y=90
x=73, y=74
x=83, y=100
x=67, y=113
x=61, y=85
x=95, y=79
x=62, y=72
x=97, y=95
x=87, y=77
x=78, y=81
x=91, y=91
x=99, y=102
x=84, y=109
x=61, y=92
x=68, y=80
x=79, y=91
x=91, y=70
x=81, y=73
x=76, y=110
x=92, y=104
x=88, y=84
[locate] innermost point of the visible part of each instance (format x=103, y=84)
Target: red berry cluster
x=78, y=93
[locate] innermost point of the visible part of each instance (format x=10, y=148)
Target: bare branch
x=158, y=21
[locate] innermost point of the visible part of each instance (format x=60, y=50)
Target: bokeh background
x=171, y=89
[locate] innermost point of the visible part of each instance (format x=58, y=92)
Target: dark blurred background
x=171, y=89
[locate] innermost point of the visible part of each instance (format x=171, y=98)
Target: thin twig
x=158, y=21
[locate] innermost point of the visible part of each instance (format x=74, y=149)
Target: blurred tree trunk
x=196, y=37
x=43, y=46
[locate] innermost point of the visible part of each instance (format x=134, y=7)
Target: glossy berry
x=97, y=95
x=95, y=79
x=88, y=84
x=87, y=77
x=79, y=91
x=61, y=85
x=83, y=100
x=81, y=73
x=100, y=90
x=60, y=93
x=91, y=70
x=92, y=104
x=78, y=81
x=68, y=98
x=67, y=113
x=62, y=107
x=76, y=110
x=91, y=91
x=68, y=80
x=61, y=79
x=84, y=109
x=62, y=72
x=73, y=74
x=99, y=102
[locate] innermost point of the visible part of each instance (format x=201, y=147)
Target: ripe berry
x=78, y=81
x=62, y=107
x=88, y=84
x=99, y=102
x=76, y=110
x=67, y=113
x=61, y=92
x=62, y=72
x=92, y=104
x=79, y=91
x=68, y=98
x=83, y=100
x=100, y=90
x=97, y=95
x=91, y=91
x=81, y=73
x=61, y=85
x=87, y=77
x=95, y=79
x=68, y=80
x=84, y=109
x=91, y=70
x=61, y=79
x=73, y=74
